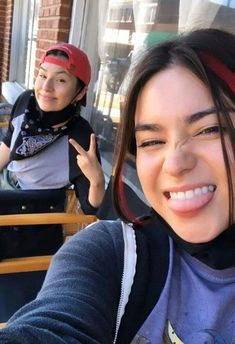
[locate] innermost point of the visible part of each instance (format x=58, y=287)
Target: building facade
x=114, y=33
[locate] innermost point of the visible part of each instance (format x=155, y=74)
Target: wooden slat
x=45, y=218
x=40, y=263
x=72, y=202
x=25, y=264
x=3, y=124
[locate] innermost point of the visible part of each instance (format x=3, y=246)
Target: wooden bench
x=26, y=274
x=39, y=263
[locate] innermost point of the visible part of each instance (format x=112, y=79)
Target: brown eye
x=210, y=130
x=41, y=76
x=150, y=143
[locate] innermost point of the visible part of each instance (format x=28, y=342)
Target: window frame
x=83, y=34
x=12, y=88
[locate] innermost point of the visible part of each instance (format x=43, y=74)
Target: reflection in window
x=131, y=27
x=227, y=3
x=147, y=13
x=31, y=43
x=24, y=42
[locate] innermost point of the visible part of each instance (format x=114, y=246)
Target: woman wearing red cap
x=36, y=148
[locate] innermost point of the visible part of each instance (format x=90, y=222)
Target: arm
x=79, y=299
x=4, y=155
x=91, y=168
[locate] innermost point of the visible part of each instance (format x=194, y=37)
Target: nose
x=179, y=160
x=47, y=85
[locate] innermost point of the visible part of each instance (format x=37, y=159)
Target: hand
x=4, y=155
x=88, y=162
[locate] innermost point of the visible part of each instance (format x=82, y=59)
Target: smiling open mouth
x=189, y=202
x=189, y=194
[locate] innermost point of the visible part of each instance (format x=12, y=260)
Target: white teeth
x=173, y=195
x=205, y=189
x=197, y=191
x=180, y=195
x=211, y=188
x=191, y=193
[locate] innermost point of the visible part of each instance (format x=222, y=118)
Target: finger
x=92, y=147
x=77, y=146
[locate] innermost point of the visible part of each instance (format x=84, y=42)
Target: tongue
x=189, y=205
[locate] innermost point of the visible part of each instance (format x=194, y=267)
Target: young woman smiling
x=36, y=148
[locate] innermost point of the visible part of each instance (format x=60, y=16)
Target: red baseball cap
x=77, y=63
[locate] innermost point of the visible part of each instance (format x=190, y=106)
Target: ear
x=80, y=95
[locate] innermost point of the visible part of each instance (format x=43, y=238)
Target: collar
x=218, y=253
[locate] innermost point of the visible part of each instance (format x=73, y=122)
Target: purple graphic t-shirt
x=197, y=305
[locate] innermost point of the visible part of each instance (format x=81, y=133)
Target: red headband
x=220, y=69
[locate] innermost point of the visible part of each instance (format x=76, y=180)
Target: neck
x=62, y=124
x=59, y=118
x=218, y=253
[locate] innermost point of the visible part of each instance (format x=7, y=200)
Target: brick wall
x=54, y=24
x=6, y=10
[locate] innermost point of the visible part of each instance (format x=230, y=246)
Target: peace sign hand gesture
x=91, y=168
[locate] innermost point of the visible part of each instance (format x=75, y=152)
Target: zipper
x=119, y=317
x=129, y=268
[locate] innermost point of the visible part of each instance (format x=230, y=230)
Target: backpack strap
x=152, y=247
x=129, y=269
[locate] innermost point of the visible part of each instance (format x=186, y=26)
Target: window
x=23, y=47
x=114, y=33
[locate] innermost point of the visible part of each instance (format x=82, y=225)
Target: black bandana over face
x=36, y=130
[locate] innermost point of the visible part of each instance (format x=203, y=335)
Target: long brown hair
x=210, y=55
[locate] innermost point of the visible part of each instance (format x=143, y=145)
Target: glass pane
x=23, y=19
x=31, y=43
x=27, y=46
x=129, y=28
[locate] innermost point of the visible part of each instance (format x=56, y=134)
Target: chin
x=46, y=108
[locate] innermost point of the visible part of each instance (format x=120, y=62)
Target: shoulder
x=103, y=240
x=82, y=123
x=22, y=102
x=102, y=233
x=93, y=252
x=80, y=130
x=24, y=96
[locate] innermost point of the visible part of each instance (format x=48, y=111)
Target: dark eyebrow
x=189, y=119
x=147, y=127
x=199, y=115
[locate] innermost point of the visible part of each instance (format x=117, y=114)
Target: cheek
x=68, y=91
x=36, y=84
x=148, y=170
